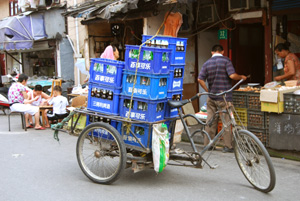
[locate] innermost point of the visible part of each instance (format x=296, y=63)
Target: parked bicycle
x=102, y=154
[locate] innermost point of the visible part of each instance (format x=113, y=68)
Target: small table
x=42, y=109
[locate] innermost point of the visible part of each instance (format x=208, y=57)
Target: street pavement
x=35, y=167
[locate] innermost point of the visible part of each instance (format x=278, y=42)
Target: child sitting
x=59, y=103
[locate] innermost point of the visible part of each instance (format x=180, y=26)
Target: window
x=13, y=7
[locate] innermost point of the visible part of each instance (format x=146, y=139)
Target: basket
x=173, y=112
x=253, y=101
x=152, y=60
x=143, y=109
x=106, y=71
x=142, y=133
x=176, y=77
x=256, y=119
x=240, y=99
x=262, y=135
x=107, y=102
x=100, y=132
x=291, y=83
x=148, y=86
x=242, y=113
x=291, y=103
x=178, y=46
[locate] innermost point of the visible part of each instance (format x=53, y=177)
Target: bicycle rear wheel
x=101, y=153
x=254, y=161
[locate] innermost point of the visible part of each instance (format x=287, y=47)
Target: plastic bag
x=160, y=146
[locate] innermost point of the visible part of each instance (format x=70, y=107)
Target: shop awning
x=20, y=32
x=108, y=9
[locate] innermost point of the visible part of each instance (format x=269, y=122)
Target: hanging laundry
x=172, y=24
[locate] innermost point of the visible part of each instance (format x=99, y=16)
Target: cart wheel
x=101, y=153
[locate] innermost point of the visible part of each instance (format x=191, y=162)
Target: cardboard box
x=272, y=107
x=272, y=100
x=274, y=96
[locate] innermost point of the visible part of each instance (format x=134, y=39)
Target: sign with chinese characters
x=136, y=115
x=103, y=78
x=101, y=105
x=141, y=65
x=137, y=91
x=284, y=131
x=222, y=34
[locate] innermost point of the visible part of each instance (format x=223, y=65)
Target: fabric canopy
x=20, y=32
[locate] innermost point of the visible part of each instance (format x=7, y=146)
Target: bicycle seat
x=177, y=104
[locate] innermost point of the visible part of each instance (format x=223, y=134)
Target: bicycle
x=102, y=154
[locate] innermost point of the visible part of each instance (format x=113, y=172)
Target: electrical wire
x=215, y=7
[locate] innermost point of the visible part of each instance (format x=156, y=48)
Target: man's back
x=216, y=72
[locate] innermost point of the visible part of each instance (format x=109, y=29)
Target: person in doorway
x=110, y=52
x=59, y=103
x=291, y=63
x=17, y=97
x=37, y=97
x=218, y=71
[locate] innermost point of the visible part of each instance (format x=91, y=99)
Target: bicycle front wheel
x=254, y=161
x=101, y=153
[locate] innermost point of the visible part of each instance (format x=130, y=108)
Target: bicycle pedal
x=214, y=166
x=176, y=151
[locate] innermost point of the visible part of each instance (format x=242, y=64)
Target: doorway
x=248, y=51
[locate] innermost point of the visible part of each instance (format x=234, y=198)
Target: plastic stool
x=22, y=119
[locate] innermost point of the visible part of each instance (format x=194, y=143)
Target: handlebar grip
x=194, y=97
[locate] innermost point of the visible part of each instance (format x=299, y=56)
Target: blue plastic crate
x=152, y=60
x=176, y=77
x=178, y=46
x=173, y=112
x=142, y=133
x=103, y=102
x=143, y=109
x=100, y=132
x=106, y=71
x=148, y=86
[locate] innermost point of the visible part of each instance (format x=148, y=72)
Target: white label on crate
x=178, y=58
x=174, y=110
x=104, y=79
x=163, y=67
x=158, y=117
x=130, y=138
x=136, y=115
x=101, y=105
x=145, y=66
x=176, y=84
x=101, y=131
x=161, y=92
x=137, y=91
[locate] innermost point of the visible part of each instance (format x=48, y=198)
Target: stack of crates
x=248, y=107
x=105, y=86
x=258, y=121
x=177, y=64
x=149, y=91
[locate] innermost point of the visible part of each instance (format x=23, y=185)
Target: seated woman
x=17, y=97
x=59, y=103
x=37, y=97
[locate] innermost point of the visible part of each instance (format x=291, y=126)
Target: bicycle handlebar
x=218, y=94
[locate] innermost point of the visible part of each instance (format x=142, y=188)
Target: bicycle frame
x=218, y=113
